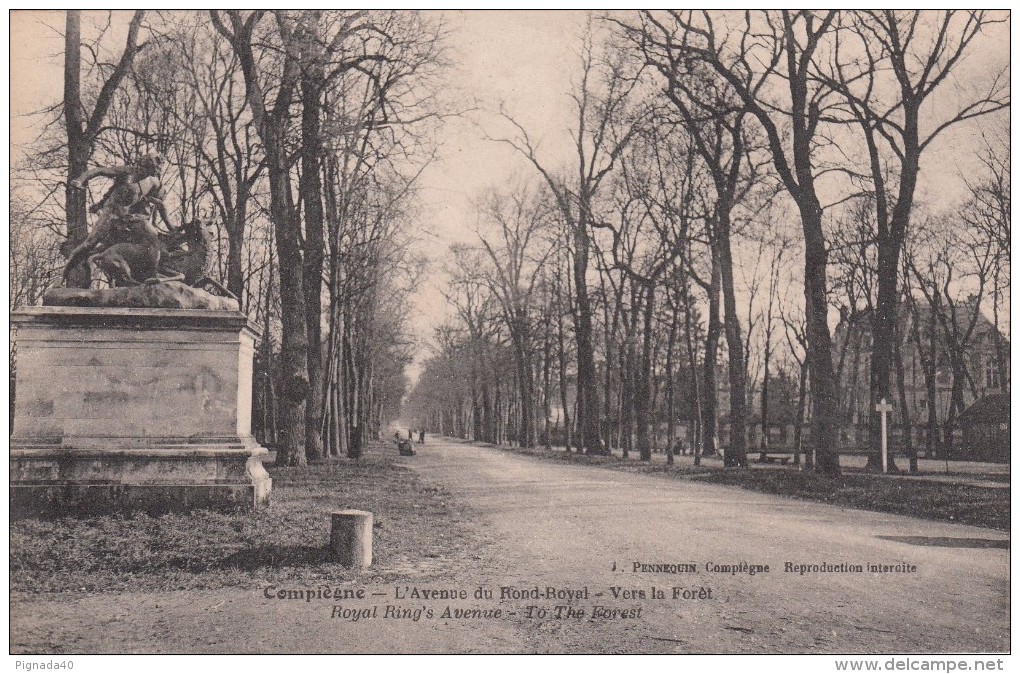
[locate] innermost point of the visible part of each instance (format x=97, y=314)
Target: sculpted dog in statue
x=184, y=254
x=134, y=262
x=191, y=256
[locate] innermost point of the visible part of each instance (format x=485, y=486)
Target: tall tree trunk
x=736, y=453
x=906, y=424
x=497, y=417
x=476, y=405
x=608, y=331
x=697, y=444
x=235, y=224
x=798, y=428
x=956, y=403
x=656, y=391
x=643, y=407
x=562, y=367
x=312, y=83
x=852, y=394
x=932, y=433
x=630, y=373
x=271, y=124
x=710, y=416
x=1001, y=355
x=489, y=421
x=589, y=417
x=547, y=381
x=764, y=445
x=356, y=430
x=624, y=395
x=525, y=390
x=882, y=356
x=671, y=384
x=78, y=147
x=294, y=345
x=825, y=399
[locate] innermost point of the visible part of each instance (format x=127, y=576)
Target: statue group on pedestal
x=125, y=242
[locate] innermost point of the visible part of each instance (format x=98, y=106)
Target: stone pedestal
x=121, y=408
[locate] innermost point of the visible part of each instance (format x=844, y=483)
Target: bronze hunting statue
x=125, y=242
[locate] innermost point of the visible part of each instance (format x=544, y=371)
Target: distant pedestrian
x=421, y=437
x=410, y=434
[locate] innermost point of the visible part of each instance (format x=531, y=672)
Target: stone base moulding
x=125, y=409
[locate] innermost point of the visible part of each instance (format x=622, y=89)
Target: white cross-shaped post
x=884, y=408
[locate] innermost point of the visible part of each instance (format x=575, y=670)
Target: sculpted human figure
x=126, y=210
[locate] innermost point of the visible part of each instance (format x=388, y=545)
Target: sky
x=524, y=60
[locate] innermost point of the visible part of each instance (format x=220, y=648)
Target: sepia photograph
x=504, y=332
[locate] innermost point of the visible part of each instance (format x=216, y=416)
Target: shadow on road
x=945, y=542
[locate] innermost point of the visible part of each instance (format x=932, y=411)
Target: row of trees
x=612, y=286
x=302, y=133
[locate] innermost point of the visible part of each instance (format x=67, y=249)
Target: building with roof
x=952, y=358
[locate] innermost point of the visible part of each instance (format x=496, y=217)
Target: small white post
x=884, y=408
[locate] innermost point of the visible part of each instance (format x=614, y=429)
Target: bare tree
x=796, y=340
x=33, y=260
x=951, y=267
x=655, y=214
x=715, y=117
x=605, y=126
x=229, y=160
x=762, y=60
x=517, y=258
x=270, y=97
x=470, y=296
x=563, y=306
x=917, y=52
x=988, y=211
x=769, y=326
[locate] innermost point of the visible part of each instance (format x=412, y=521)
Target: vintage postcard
x=674, y=332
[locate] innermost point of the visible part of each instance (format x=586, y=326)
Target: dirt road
x=566, y=526
x=566, y=536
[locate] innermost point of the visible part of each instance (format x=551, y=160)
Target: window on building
x=991, y=374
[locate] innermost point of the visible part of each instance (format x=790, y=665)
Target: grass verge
x=419, y=531
x=987, y=507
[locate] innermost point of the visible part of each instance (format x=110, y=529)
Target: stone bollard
x=350, y=538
